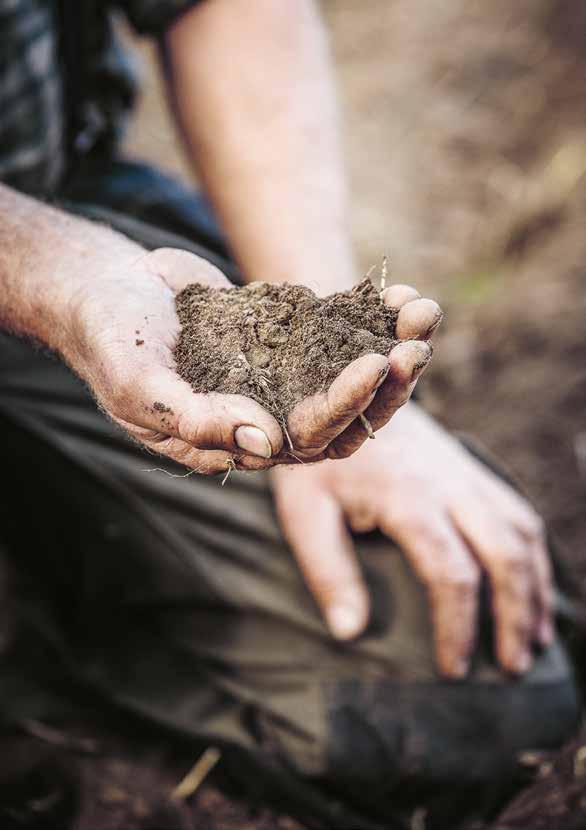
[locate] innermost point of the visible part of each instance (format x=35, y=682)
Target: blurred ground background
x=466, y=140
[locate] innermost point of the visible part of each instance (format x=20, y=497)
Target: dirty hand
x=125, y=328
x=453, y=519
x=375, y=386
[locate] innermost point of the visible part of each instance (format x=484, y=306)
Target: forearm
x=46, y=258
x=254, y=95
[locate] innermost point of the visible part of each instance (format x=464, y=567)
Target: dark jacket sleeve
x=153, y=17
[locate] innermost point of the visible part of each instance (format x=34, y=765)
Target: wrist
x=48, y=262
x=325, y=269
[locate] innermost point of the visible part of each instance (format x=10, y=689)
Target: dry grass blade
x=367, y=425
x=196, y=775
x=231, y=466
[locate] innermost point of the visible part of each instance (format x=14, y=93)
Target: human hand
x=125, y=329
x=453, y=518
x=123, y=333
x=375, y=386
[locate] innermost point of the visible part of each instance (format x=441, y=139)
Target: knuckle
x=204, y=431
x=510, y=560
x=416, y=525
x=339, y=410
x=210, y=436
x=363, y=518
x=439, y=543
x=460, y=580
x=516, y=560
x=187, y=429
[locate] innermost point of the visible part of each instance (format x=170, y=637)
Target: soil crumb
x=277, y=344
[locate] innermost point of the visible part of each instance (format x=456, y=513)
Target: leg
x=177, y=599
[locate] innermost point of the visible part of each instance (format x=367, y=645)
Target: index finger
x=318, y=419
x=324, y=552
x=448, y=571
x=418, y=317
x=406, y=362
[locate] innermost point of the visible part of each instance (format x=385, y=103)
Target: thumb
x=313, y=524
x=207, y=422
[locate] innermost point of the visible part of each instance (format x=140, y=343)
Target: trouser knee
x=453, y=749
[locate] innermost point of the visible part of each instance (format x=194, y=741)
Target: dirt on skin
x=277, y=344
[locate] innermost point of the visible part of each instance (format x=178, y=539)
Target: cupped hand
x=123, y=332
x=370, y=390
x=124, y=328
x=454, y=520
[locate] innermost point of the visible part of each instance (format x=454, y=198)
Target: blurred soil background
x=466, y=140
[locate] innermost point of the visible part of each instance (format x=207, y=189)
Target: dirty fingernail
x=254, y=441
x=381, y=377
x=421, y=365
x=345, y=621
x=435, y=324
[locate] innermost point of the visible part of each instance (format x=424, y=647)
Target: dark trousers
x=178, y=600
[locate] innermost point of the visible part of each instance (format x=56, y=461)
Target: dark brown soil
x=97, y=775
x=557, y=800
x=277, y=344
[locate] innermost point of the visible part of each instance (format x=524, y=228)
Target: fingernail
x=422, y=362
x=345, y=621
x=254, y=441
x=381, y=377
x=435, y=324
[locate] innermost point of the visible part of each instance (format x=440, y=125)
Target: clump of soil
x=277, y=344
